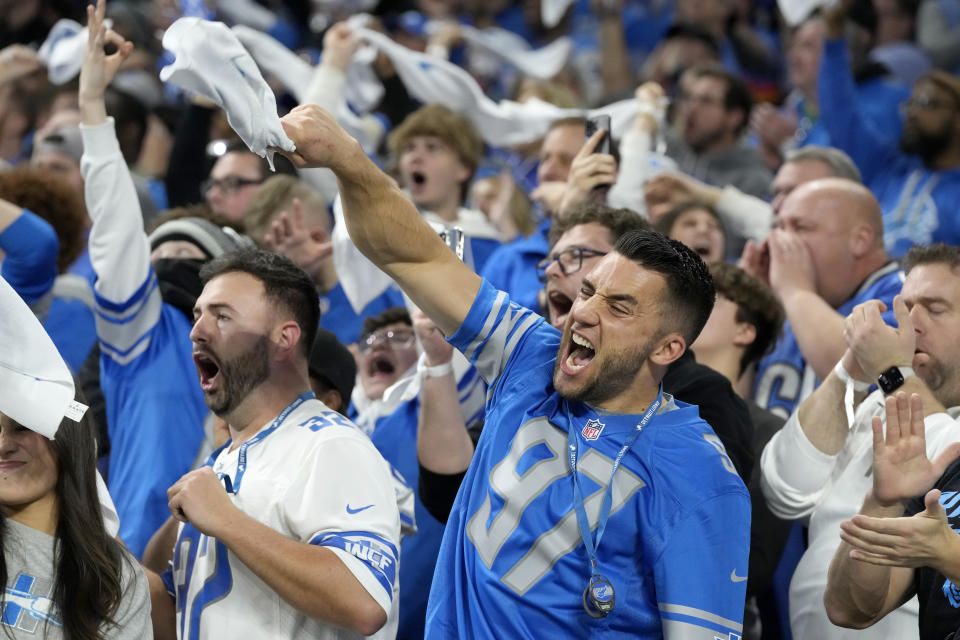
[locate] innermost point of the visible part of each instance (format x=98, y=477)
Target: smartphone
x=593, y=125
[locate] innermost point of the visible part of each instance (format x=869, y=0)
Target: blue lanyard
x=234, y=486
x=573, y=447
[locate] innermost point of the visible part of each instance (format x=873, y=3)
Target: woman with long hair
x=65, y=576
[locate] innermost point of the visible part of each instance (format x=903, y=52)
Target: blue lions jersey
x=784, y=379
x=512, y=562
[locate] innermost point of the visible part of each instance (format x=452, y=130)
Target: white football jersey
x=314, y=477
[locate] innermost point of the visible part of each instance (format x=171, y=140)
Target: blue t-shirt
x=918, y=203
x=155, y=408
x=513, y=267
x=784, y=379
x=338, y=317
x=512, y=562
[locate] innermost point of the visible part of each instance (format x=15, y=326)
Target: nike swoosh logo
x=353, y=511
x=733, y=574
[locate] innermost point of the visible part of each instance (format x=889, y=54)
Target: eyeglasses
x=228, y=184
x=924, y=103
x=569, y=260
x=394, y=337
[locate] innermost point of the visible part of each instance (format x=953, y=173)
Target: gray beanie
x=212, y=240
x=65, y=139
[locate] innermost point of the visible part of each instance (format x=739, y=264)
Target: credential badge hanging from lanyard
x=599, y=597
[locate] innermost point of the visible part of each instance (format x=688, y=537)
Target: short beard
x=926, y=145
x=616, y=376
x=240, y=376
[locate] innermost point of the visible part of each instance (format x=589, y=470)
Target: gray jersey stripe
x=700, y=613
x=487, y=325
x=678, y=630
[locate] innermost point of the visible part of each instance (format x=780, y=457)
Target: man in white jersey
x=292, y=528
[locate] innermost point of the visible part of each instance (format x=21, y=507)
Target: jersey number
x=198, y=552
x=517, y=490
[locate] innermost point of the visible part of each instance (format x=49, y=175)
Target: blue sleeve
x=167, y=577
x=842, y=116
x=701, y=574
x=32, y=247
x=493, y=330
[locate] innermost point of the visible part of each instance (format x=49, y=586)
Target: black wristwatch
x=893, y=378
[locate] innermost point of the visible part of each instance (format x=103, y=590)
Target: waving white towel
x=433, y=80
x=299, y=76
x=211, y=61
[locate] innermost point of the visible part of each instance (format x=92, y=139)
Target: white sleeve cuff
x=99, y=140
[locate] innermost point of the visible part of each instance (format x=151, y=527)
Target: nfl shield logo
x=592, y=430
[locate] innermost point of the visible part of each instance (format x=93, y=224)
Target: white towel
x=62, y=51
x=297, y=75
x=507, y=123
x=543, y=63
x=36, y=388
x=551, y=11
x=211, y=61
x=796, y=11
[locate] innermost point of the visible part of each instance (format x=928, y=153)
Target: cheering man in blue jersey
x=649, y=536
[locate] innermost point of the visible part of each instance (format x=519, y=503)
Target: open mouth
x=702, y=249
x=381, y=365
x=418, y=178
x=208, y=368
x=560, y=306
x=580, y=353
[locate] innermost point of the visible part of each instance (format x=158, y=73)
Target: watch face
x=890, y=380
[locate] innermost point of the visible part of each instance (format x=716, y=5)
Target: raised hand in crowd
x=98, y=68
x=339, y=45
x=588, y=171
x=289, y=236
x=17, y=61
x=755, y=260
x=791, y=267
x=901, y=469
x=876, y=345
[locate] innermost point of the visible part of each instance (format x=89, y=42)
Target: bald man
x=824, y=257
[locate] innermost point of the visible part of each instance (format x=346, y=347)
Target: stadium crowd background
x=801, y=152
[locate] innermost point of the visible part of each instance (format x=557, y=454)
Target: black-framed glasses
x=393, y=337
x=924, y=103
x=569, y=260
x=227, y=184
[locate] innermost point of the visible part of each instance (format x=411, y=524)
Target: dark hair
x=692, y=31
x=665, y=223
x=130, y=116
x=47, y=195
x=390, y=316
x=281, y=163
x=618, y=221
x=283, y=282
x=88, y=572
x=689, y=294
x=939, y=253
x=756, y=305
x=736, y=96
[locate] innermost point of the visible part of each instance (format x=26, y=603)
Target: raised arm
x=816, y=325
x=443, y=444
x=383, y=223
x=840, y=109
x=31, y=247
x=798, y=461
x=118, y=247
